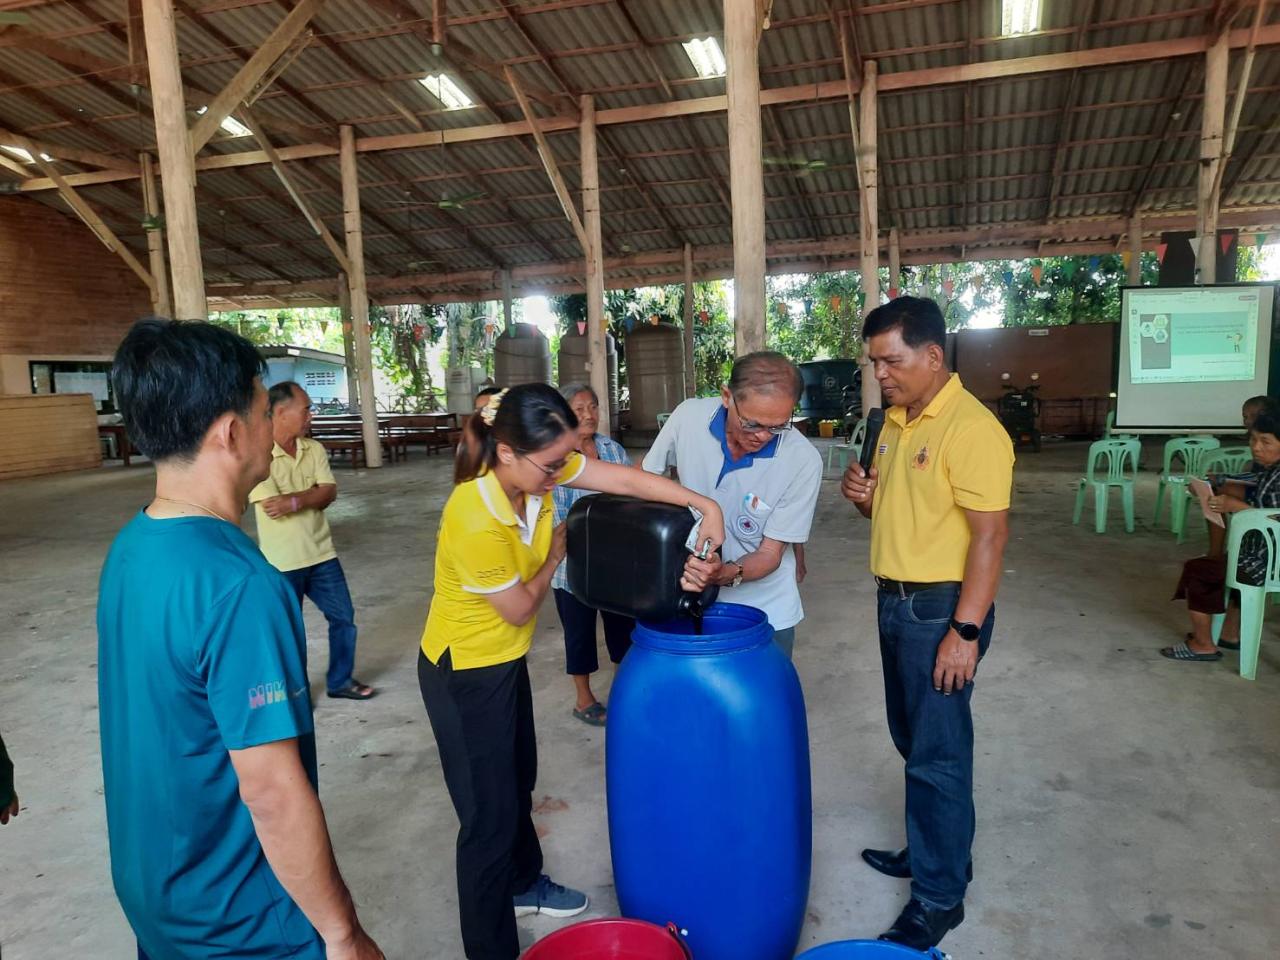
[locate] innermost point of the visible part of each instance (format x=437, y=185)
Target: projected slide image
x=1193, y=346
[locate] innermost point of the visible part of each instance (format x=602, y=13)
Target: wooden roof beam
x=1064, y=118
x=267, y=53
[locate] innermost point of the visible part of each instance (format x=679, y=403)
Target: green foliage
x=814, y=316
x=318, y=328
x=400, y=337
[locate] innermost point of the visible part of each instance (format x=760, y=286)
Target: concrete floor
x=1126, y=804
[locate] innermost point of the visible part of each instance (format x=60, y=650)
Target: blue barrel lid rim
x=751, y=629
x=868, y=950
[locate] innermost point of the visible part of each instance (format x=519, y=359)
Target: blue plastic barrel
x=707, y=764
x=868, y=950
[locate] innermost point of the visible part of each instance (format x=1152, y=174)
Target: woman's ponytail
x=527, y=417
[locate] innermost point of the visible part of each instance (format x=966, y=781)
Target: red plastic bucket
x=611, y=939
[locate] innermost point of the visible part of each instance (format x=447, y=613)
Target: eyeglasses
x=750, y=426
x=552, y=470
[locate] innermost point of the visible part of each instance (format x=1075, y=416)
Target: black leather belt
x=903, y=588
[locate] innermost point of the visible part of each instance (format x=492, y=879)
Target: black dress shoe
x=892, y=863
x=920, y=927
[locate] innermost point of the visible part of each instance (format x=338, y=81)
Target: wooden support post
x=597, y=348
x=1135, y=250
x=895, y=260
x=1213, y=120
x=359, y=295
x=690, y=369
x=161, y=303
x=548, y=160
x=506, y=300
x=177, y=163
x=870, y=220
x=746, y=172
x=348, y=342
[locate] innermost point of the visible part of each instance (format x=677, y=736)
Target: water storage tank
x=655, y=373
x=826, y=384
x=707, y=776
x=460, y=387
x=573, y=367
x=521, y=355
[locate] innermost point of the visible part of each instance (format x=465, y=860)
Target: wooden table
x=124, y=447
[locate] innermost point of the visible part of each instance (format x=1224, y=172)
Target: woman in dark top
x=1203, y=582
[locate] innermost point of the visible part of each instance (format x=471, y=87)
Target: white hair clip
x=490, y=410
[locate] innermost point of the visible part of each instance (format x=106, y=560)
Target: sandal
x=592, y=716
x=1182, y=652
x=1221, y=644
x=355, y=690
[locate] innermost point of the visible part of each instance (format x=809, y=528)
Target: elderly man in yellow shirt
x=937, y=495
x=294, y=534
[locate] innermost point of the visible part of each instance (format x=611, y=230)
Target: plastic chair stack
x=1189, y=453
x=1253, y=598
x=1112, y=463
x=844, y=452
x=1228, y=460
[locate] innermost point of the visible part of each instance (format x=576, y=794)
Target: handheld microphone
x=875, y=423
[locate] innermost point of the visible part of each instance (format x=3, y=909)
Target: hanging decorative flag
x=346, y=326
x=1070, y=266
x=948, y=287
x=280, y=321
x=704, y=316
x=835, y=304
x=1225, y=242
x=1037, y=273
x=893, y=293
x=1161, y=250
x=488, y=327
x=1094, y=263
x=1125, y=257
x=808, y=306
x=418, y=331
x=582, y=328
x=1196, y=242
x=1259, y=239
x=628, y=323
x=324, y=326
x=1007, y=277
x=782, y=309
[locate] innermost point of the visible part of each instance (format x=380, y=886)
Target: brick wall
x=63, y=295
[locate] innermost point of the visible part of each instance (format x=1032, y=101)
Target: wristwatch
x=738, y=577
x=967, y=631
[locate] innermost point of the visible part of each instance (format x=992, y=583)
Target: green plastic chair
x=662, y=419
x=1222, y=460
x=1253, y=599
x=1119, y=458
x=844, y=452
x=1228, y=460
x=1191, y=452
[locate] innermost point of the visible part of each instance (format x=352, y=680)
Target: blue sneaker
x=550, y=899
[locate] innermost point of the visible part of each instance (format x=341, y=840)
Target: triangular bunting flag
x=1259, y=239
x=582, y=328
x=704, y=316
x=1161, y=250
x=1007, y=277
x=1037, y=272
x=324, y=326
x=1070, y=266
x=1195, y=247
x=893, y=293
x=948, y=287
x=655, y=320
x=1125, y=257
x=1094, y=263
x=346, y=326
x=1225, y=242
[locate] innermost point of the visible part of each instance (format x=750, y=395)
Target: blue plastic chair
x=1120, y=460
x=844, y=452
x=1253, y=598
x=1190, y=453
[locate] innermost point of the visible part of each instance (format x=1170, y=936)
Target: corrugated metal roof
x=1007, y=152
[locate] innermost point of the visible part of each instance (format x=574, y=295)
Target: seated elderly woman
x=1203, y=582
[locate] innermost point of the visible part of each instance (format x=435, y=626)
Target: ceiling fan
x=803, y=166
x=457, y=201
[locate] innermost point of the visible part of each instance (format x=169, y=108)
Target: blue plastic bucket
x=868, y=950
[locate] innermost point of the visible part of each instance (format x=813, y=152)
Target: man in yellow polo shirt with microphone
x=937, y=495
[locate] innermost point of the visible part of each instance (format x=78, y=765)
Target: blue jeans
x=934, y=734
x=326, y=585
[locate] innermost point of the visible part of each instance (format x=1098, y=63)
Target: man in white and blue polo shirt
x=739, y=449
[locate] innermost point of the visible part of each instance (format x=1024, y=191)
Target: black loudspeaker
x=1178, y=268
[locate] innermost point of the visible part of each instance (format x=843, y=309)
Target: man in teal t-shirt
x=218, y=842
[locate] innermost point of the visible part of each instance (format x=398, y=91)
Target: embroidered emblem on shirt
x=884, y=448
x=747, y=526
x=921, y=460
x=265, y=694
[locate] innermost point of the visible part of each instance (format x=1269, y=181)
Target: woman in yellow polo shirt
x=495, y=557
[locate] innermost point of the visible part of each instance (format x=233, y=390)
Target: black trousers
x=579, y=622
x=483, y=722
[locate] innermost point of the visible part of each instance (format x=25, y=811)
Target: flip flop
x=1182, y=652
x=355, y=690
x=1222, y=644
x=593, y=716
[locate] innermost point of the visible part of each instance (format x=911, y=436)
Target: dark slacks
x=934, y=734
x=579, y=622
x=483, y=723
x=326, y=584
